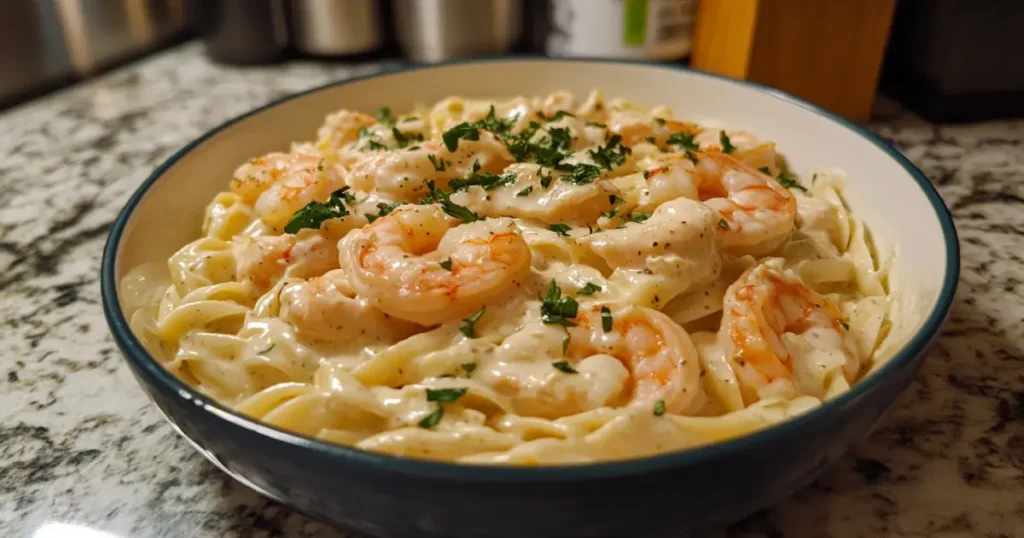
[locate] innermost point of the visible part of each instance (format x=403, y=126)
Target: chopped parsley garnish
x=723, y=224
x=432, y=419
x=545, y=181
x=651, y=140
x=383, y=210
x=315, y=213
x=448, y=206
x=684, y=140
x=582, y=174
x=606, y=319
x=404, y=139
x=375, y=145
x=846, y=326
x=639, y=217
x=789, y=182
x=659, y=121
x=270, y=347
x=445, y=395
x=589, y=289
x=384, y=116
x=565, y=345
x=614, y=200
x=476, y=166
x=463, y=130
x=557, y=116
x=692, y=156
x=469, y=329
x=526, y=191
x=439, y=164
x=409, y=119
x=647, y=174
x=596, y=124
x=611, y=154
x=659, y=408
x=497, y=126
x=560, y=229
x=727, y=146
x=558, y=310
x=446, y=265
x=564, y=366
x=765, y=170
x=469, y=368
x=489, y=182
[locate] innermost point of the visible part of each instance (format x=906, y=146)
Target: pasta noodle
x=533, y=281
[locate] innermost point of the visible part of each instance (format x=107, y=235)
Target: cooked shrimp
x=677, y=243
x=667, y=177
x=748, y=150
x=768, y=303
x=279, y=184
x=636, y=127
x=528, y=197
x=403, y=174
x=326, y=308
x=342, y=127
x=757, y=213
x=396, y=262
x=266, y=259
x=659, y=355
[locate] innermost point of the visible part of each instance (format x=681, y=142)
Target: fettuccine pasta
x=529, y=281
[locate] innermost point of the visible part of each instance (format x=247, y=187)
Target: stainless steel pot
x=435, y=30
x=335, y=27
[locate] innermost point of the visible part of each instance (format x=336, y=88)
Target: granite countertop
x=81, y=445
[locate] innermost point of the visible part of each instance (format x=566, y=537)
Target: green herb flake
x=564, y=366
x=446, y=265
x=651, y=140
x=606, y=319
x=545, y=181
x=315, y=213
x=565, y=345
x=659, y=408
x=639, y=217
x=597, y=124
x=448, y=206
x=560, y=229
x=557, y=116
x=684, y=140
x=582, y=174
x=691, y=156
x=404, y=139
x=723, y=224
x=765, y=170
x=469, y=368
x=659, y=121
x=384, y=116
x=526, y=191
x=409, y=119
x=589, y=289
x=432, y=419
x=488, y=182
x=727, y=146
x=375, y=145
x=439, y=164
x=469, y=329
x=789, y=182
x=558, y=310
x=463, y=130
x=445, y=395
x=611, y=154
x=845, y=325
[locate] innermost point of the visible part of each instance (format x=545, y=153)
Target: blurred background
x=948, y=60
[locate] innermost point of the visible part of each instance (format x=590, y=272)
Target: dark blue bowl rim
x=167, y=383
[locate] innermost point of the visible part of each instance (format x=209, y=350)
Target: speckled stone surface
x=80, y=444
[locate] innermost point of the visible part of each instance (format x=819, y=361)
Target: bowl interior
x=909, y=223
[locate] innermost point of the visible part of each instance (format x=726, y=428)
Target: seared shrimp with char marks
x=420, y=265
x=659, y=355
x=757, y=213
x=768, y=303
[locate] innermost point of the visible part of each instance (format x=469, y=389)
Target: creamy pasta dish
x=545, y=280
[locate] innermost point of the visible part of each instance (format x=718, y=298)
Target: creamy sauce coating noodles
x=534, y=281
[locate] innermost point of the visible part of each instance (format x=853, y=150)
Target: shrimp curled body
x=421, y=265
x=763, y=311
x=659, y=355
x=757, y=212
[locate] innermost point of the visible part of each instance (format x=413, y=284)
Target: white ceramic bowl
x=384, y=495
